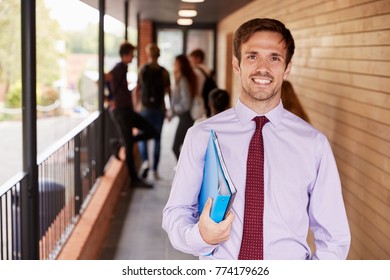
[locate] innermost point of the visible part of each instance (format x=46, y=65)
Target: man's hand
x=211, y=232
x=168, y=115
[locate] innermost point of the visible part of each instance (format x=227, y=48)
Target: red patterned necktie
x=252, y=238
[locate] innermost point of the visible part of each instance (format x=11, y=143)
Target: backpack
x=208, y=86
x=153, y=87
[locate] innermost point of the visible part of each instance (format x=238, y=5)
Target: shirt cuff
x=197, y=244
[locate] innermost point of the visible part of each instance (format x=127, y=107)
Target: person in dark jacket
x=122, y=112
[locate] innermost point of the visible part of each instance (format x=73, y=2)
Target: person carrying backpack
x=153, y=83
x=206, y=81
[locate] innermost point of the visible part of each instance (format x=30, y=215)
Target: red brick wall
x=86, y=240
x=145, y=37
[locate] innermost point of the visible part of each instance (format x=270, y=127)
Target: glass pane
x=67, y=67
x=203, y=39
x=114, y=36
x=10, y=90
x=170, y=42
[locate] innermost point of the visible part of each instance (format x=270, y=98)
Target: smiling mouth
x=262, y=81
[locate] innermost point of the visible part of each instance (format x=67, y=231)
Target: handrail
x=40, y=108
x=70, y=135
x=12, y=182
x=65, y=186
x=48, y=108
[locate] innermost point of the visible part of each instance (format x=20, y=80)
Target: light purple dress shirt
x=301, y=188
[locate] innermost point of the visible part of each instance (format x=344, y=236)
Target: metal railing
x=67, y=178
x=43, y=204
x=10, y=218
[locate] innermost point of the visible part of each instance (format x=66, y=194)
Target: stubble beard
x=257, y=95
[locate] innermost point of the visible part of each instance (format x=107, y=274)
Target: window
x=10, y=90
x=67, y=67
x=176, y=41
x=170, y=42
x=203, y=39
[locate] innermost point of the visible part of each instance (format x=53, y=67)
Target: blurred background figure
x=152, y=86
x=123, y=114
x=218, y=101
x=206, y=81
x=291, y=101
x=185, y=89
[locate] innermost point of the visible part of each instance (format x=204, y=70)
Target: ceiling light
x=187, y=13
x=193, y=1
x=184, y=21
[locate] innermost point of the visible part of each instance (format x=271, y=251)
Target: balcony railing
x=67, y=178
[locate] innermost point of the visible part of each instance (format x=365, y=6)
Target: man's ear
x=236, y=65
x=287, y=71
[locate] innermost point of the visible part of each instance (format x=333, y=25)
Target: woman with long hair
x=182, y=97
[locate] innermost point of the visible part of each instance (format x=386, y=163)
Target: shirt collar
x=245, y=115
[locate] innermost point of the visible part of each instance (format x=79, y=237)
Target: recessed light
x=187, y=13
x=192, y=1
x=184, y=21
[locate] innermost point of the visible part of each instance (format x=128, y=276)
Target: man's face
x=194, y=60
x=127, y=58
x=263, y=67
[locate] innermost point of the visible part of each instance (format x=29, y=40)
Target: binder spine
x=219, y=207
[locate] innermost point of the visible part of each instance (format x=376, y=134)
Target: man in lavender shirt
x=301, y=183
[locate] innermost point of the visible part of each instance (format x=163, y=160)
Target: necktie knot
x=260, y=122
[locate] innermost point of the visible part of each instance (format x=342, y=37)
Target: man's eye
x=251, y=56
x=275, y=58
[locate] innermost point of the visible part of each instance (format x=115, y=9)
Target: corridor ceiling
x=166, y=11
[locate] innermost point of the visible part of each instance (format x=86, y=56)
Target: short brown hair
x=219, y=98
x=247, y=29
x=198, y=53
x=153, y=50
x=126, y=48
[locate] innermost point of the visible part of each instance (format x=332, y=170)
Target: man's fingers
x=229, y=218
x=207, y=207
x=211, y=232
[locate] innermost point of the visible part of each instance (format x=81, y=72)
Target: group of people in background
x=145, y=108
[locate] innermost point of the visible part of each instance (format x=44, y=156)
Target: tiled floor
x=136, y=232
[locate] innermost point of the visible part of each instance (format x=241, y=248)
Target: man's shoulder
x=224, y=119
x=204, y=69
x=146, y=67
x=154, y=68
x=302, y=128
x=164, y=70
x=118, y=65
